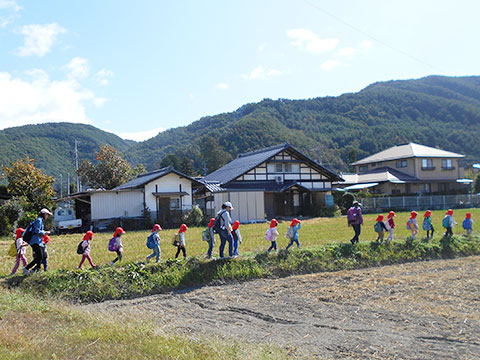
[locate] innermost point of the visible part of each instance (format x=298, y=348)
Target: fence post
x=403, y=202
x=389, y=202
x=374, y=203
x=444, y=202
x=418, y=198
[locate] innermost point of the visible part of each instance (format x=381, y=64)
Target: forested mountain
x=52, y=145
x=436, y=111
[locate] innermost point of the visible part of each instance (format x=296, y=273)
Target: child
x=412, y=224
x=390, y=225
x=45, y=240
x=237, y=238
x=210, y=237
x=380, y=228
x=448, y=222
x=118, y=244
x=467, y=223
x=154, y=237
x=427, y=224
x=271, y=235
x=294, y=227
x=21, y=250
x=86, y=249
x=181, y=243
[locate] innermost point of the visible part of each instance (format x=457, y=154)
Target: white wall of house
x=169, y=183
x=114, y=204
x=248, y=205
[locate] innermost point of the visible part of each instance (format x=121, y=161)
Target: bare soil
x=423, y=310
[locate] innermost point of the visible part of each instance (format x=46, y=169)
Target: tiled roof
x=407, y=151
x=382, y=174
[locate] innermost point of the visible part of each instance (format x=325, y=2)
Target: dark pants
x=432, y=230
x=449, y=231
x=358, y=229
x=38, y=257
x=273, y=246
x=224, y=237
x=182, y=248
x=119, y=256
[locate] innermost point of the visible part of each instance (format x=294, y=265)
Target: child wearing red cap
x=181, y=241
x=412, y=224
x=390, y=225
x=271, y=235
x=45, y=240
x=237, y=238
x=85, y=244
x=117, y=244
x=427, y=224
x=295, y=225
x=448, y=222
x=380, y=228
x=209, y=236
x=468, y=223
x=154, y=242
x=20, y=245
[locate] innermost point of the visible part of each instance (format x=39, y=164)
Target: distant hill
x=52, y=145
x=437, y=111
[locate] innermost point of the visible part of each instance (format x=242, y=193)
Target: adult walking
x=36, y=242
x=355, y=220
x=226, y=229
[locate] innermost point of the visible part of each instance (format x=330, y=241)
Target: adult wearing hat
x=36, y=242
x=355, y=220
x=226, y=229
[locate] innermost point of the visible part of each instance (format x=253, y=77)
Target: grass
x=314, y=233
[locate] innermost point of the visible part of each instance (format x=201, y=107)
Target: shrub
x=194, y=217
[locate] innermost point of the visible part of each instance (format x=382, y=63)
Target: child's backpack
x=80, y=248
x=206, y=235
x=289, y=234
x=28, y=234
x=13, y=250
x=387, y=225
x=268, y=235
x=410, y=225
x=176, y=240
x=217, y=223
x=446, y=222
x=150, y=241
x=112, y=246
x=426, y=225
x=378, y=227
x=467, y=224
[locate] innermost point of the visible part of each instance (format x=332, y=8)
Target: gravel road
x=423, y=310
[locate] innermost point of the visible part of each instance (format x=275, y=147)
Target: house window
x=427, y=164
x=174, y=204
x=395, y=191
x=426, y=188
x=401, y=163
x=283, y=167
x=363, y=168
x=447, y=164
x=278, y=168
x=442, y=187
x=288, y=168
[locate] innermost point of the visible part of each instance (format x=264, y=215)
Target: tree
x=186, y=166
x=111, y=170
x=171, y=160
x=29, y=183
x=138, y=170
x=213, y=154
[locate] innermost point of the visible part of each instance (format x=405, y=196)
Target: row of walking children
x=448, y=222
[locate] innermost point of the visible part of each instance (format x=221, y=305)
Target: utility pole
x=76, y=165
x=61, y=186
x=68, y=184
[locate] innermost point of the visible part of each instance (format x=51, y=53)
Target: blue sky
x=135, y=68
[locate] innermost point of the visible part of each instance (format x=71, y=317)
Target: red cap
x=449, y=212
x=391, y=214
x=46, y=239
x=468, y=215
x=427, y=213
x=19, y=232
x=183, y=228
x=235, y=225
x=88, y=235
x=380, y=217
x=273, y=223
x=295, y=221
x=156, y=227
x=210, y=224
x=119, y=231
x=413, y=214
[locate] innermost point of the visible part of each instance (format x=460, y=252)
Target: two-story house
x=406, y=169
x=278, y=181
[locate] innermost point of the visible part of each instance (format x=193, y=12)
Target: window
x=426, y=188
x=174, y=204
x=442, y=187
x=278, y=167
x=363, y=168
x=427, y=164
x=401, y=163
x=447, y=164
x=283, y=167
x=288, y=167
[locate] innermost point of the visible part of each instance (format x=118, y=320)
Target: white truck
x=64, y=220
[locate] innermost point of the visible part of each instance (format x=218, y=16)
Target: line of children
x=181, y=241
x=116, y=244
x=271, y=235
x=292, y=233
x=85, y=247
x=380, y=228
x=427, y=224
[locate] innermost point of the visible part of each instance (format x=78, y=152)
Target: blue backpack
x=467, y=224
x=112, y=246
x=151, y=241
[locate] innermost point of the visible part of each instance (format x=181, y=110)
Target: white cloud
x=78, y=68
x=261, y=47
x=261, y=73
x=39, y=39
x=222, y=86
x=307, y=40
x=37, y=98
x=330, y=64
x=347, y=51
x=8, y=11
x=140, y=135
x=103, y=76
x=366, y=44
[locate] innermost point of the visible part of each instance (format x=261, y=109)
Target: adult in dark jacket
x=355, y=220
x=36, y=242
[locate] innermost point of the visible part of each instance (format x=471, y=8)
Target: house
x=278, y=181
x=406, y=169
x=166, y=193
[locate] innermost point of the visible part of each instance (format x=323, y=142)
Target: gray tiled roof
x=407, y=151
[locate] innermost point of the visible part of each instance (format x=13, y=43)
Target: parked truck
x=64, y=219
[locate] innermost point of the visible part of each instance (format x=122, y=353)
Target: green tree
x=476, y=185
x=29, y=183
x=111, y=170
x=213, y=154
x=171, y=160
x=138, y=170
x=186, y=166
